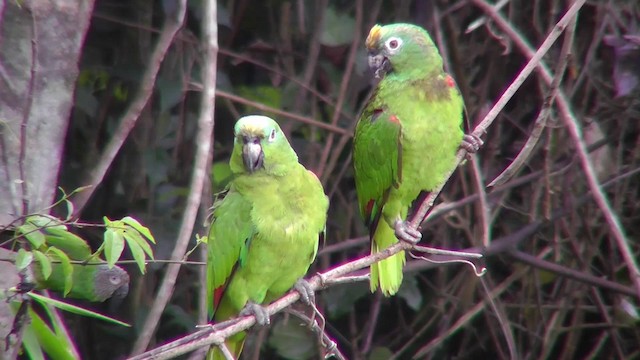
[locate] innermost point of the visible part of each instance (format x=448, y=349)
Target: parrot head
x=112, y=282
x=401, y=48
x=261, y=144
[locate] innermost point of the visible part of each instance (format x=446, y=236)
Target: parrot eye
x=393, y=44
x=114, y=280
x=272, y=136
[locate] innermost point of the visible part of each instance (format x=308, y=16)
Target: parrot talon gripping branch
x=471, y=143
x=307, y=295
x=261, y=315
x=405, y=232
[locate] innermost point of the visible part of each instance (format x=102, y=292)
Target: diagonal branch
x=132, y=114
x=203, y=141
x=573, y=126
x=500, y=104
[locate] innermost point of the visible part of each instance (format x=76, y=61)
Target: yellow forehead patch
x=374, y=37
x=253, y=130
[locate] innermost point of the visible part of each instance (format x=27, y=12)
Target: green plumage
x=265, y=231
x=406, y=138
x=91, y=282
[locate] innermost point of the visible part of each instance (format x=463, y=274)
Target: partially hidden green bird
x=94, y=282
x=405, y=140
x=264, y=233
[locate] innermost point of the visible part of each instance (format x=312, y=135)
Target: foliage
x=50, y=243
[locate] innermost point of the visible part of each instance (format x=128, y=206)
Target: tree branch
x=132, y=114
x=203, y=141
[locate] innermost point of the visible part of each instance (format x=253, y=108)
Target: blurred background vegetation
x=306, y=61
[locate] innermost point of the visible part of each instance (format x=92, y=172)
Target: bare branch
x=203, y=141
x=132, y=114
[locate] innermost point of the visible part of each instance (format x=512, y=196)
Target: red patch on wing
x=394, y=119
x=450, y=82
x=369, y=208
x=217, y=296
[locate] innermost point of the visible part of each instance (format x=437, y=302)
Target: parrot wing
x=378, y=160
x=229, y=238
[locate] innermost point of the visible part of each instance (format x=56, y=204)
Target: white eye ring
x=393, y=44
x=114, y=280
x=272, y=136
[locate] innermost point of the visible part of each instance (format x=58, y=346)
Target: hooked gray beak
x=252, y=154
x=121, y=292
x=379, y=64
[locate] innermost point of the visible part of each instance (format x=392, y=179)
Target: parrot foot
x=406, y=233
x=307, y=295
x=260, y=313
x=471, y=143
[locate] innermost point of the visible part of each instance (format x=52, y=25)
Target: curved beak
x=379, y=64
x=121, y=292
x=252, y=155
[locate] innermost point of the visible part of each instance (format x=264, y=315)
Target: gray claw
x=307, y=295
x=262, y=316
x=406, y=233
x=471, y=143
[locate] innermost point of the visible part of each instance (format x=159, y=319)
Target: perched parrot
x=91, y=282
x=265, y=231
x=405, y=140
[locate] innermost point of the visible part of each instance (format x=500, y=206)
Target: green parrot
x=92, y=282
x=265, y=231
x=405, y=140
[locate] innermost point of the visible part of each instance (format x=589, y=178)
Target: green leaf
x=292, y=340
x=135, y=237
x=113, y=246
x=54, y=343
x=67, y=269
x=31, y=344
x=46, y=222
x=410, y=292
x=45, y=263
x=137, y=252
x=33, y=234
x=340, y=299
x=338, y=28
x=23, y=259
x=380, y=353
x=138, y=227
x=74, y=309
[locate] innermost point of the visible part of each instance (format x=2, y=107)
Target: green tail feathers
x=386, y=274
x=234, y=344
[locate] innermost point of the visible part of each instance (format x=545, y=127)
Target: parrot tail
x=387, y=273
x=234, y=344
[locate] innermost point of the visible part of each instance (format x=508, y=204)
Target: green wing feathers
x=406, y=137
x=265, y=232
x=228, y=236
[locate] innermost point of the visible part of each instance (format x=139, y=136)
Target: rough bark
x=40, y=46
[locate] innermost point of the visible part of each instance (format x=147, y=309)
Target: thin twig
x=203, y=141
x=342, y=92
x=573, y=126
x=329, y=345
x=217, y=333
x=469, y=315
x=290, y=115
x=225, y=351
x=132, y=114
x=541, y=121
